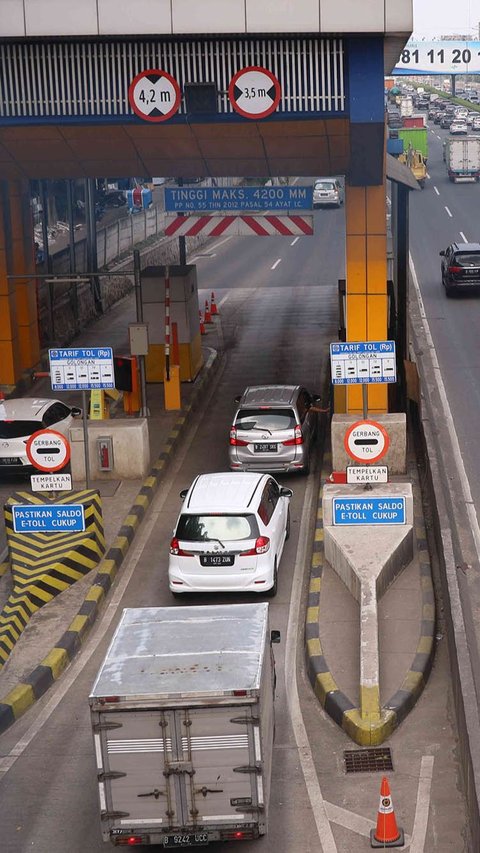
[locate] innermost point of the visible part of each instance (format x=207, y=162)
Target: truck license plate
x=189, y=839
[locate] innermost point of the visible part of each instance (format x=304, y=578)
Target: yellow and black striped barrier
x=44, y=564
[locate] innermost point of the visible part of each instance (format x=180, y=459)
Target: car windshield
x=216, y=527
x=468, y=259
x=18, y=429
x=324, y=185
x=266, y=419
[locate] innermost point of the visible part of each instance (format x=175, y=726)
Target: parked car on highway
x=327, y=192
x=20, y=418
x=460, y=267
x=230, y=534
x=273, y=429
x=458, y=126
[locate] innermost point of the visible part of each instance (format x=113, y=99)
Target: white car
x=476, y=123
x=20, y=418
x=327, y=192
x=458, y=126
x=230, y=534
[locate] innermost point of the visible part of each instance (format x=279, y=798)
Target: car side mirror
x=76, y=412
x=442, y=252
x=274, y=637
x=237, y=399
x=183, y=494
x=316, y=398
x=286, y=493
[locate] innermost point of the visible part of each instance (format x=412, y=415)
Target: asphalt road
x=279, y=313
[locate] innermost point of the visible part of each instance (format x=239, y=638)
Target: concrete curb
x=336, y=704
x=26, y=693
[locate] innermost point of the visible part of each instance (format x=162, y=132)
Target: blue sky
x=441, y=17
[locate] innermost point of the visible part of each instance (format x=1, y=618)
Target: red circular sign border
x=160, y=73
x=274, y=81
x=35, y=464
x=370, y=423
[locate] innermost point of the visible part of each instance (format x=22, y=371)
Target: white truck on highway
x=183, y=723
x=462, y=158
x=406, y=106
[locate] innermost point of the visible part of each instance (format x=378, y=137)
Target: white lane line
x=462, y=235
x=449, y=212
x=417, y=844
x=447, y=414
x=436, y=191
x=275, y=265
x=356, y=822
x=438, y=137
x=294, y=636
x=294, y=241
x=428, y=176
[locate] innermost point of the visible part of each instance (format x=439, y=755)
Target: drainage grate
x=368, y=760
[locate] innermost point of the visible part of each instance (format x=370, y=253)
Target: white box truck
x=406, y=106
x=462, y=158
x=183, y=722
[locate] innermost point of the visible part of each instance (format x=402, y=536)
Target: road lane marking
x=356, y=822
x=427, y=175
x=462, y=235
x=417, y=844
x=449, y=212
x=447, y=414
x=294, y=241
x=438, y=137
x=436, y=191
x=294, y=636
x=275, y=265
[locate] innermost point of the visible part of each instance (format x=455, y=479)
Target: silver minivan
x=273, y=429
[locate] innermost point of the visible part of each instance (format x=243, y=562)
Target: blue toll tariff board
x=48, y=518
x=226, y=199
x=388, y=510
x=81, y=368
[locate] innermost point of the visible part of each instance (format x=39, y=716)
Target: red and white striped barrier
x=261, y=226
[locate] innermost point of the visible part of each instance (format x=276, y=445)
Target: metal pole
x=365, y=401
x=48, y=259
x=144, y=412
x=85, y=440
x=182, y=245
x=92, y=255
x=71, y=247
x=167, y=323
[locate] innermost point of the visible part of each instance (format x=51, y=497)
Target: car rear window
x=325, y=185
x=468, y=259
x=18, y=429
x=214, y=527
x=265, y=419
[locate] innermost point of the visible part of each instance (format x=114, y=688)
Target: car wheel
x=273, y=591
x=287, y=526
x=449, y=291
x=177, y=594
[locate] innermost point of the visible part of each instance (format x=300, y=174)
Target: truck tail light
x=177, y=551
x=262, y=544
x=234, y=441
x=130, y=840
x=298, y=438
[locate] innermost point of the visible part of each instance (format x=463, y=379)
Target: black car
x=438, y=117
x=446, y=121
x=461, y=267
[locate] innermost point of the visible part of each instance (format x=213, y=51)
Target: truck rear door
x=186, y=768
x=222, y=747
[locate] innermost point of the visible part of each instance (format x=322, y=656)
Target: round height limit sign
x=254, y=92
x=154, y=95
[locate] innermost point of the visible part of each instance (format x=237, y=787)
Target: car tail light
x=262, y=544
x=177, y=551
x=455, y=269
x=234, y=441
x=298, y=439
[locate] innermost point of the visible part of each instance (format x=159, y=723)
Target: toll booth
x=183, y=312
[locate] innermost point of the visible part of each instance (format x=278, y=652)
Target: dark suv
x=461, y=267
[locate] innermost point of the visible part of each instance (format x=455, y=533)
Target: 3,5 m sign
x=439, y=57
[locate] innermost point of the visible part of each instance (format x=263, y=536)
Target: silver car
x=327, y=192
x=273, y=429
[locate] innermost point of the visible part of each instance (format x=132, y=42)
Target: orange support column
x=366, y=274
x=19, y=343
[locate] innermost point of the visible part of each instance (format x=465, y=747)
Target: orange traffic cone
x=207, y=317
x=213, y=305
x=202, y=325
x=387, y=833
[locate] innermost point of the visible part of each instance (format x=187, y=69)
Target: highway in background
x=278, y=299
